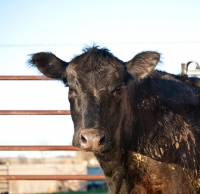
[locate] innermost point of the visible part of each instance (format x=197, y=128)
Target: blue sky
x=64, y=27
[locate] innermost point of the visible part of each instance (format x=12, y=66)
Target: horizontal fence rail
x=35, y=112
x=23, y=77
x=38, y=148
x=52, y=177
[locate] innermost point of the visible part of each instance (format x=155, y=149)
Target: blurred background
x=65, y=27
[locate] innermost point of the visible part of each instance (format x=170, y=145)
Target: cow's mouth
x=98, y=150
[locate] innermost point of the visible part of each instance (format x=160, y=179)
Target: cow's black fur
x=142, y=124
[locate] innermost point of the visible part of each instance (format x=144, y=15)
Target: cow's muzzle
x=92, y=140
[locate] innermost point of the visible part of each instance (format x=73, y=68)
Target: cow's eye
x=117, y=91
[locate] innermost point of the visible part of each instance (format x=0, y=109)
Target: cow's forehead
x=101, y=77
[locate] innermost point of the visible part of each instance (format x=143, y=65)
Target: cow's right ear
x=48, y=64
x=142, y=64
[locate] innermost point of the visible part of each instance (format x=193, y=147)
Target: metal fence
x=40, y=147
x=185, y=71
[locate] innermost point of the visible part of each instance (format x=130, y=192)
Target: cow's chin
x=95, y=150
x=99, y=149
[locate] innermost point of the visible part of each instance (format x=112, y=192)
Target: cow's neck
x=113, y=163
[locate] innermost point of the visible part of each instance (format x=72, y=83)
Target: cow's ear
x=143, y=63
x=48, y=64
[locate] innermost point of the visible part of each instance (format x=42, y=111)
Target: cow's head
x=97, y=90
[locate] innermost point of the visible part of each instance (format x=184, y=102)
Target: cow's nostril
x=83, y=139
x=102, y=140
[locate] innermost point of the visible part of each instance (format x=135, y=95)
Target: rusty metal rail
x=34, y=112
x=23, y=77
x=40, y=148
x=52, y=177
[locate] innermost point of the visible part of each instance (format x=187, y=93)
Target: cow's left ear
x=48, y=64
x=143, y=63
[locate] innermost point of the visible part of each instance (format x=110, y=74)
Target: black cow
x=141, y=124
